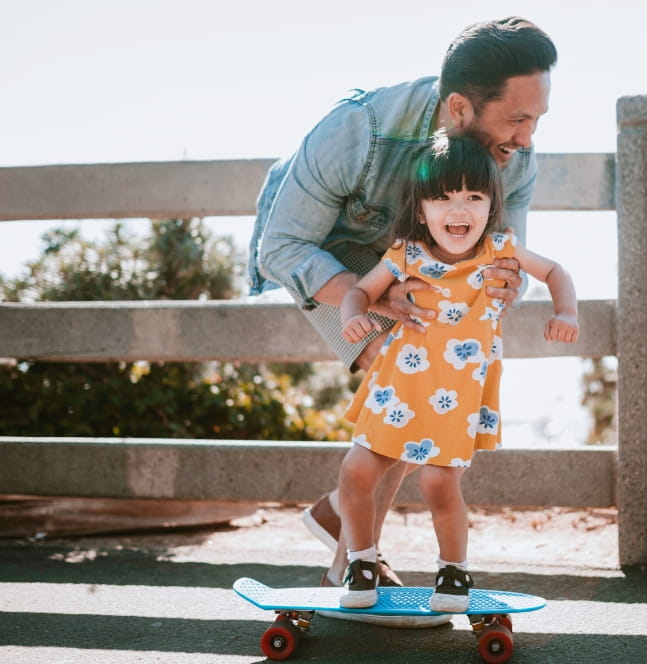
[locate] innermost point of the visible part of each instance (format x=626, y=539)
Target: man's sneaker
x=452, y=590
x=360, y=585
x=324, y=523
x=386, y=576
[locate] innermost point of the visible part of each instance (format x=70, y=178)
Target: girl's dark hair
x=447, y=164
x=480, y=60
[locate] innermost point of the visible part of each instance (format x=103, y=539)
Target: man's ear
x=460, y=110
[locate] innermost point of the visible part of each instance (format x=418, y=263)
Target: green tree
x=178, y=260
x=600, y=381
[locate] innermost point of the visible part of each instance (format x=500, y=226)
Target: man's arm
x=323, y=173
x=519, y=180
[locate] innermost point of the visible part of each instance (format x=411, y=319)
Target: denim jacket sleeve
x=519, y=179
x=326, y=169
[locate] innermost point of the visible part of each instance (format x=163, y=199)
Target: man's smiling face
x=507, y=124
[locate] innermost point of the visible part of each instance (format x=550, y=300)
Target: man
x=324, y=215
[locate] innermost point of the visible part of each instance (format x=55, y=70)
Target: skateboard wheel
x=495, y=644
x=505, y=620
x=280, y=640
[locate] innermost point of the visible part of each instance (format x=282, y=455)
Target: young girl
x=432, y=398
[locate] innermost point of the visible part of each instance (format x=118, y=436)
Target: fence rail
x=251, y=330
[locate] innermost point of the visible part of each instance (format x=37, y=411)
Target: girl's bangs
x=454, y=168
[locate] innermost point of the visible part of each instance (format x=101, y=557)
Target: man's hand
x=395, y=304
x=506, y=270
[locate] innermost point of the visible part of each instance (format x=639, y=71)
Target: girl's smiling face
x=456, y=221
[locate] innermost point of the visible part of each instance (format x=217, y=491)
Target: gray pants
x=326, y=319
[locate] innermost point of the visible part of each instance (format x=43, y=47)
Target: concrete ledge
x=283, y=471
x=245, y=331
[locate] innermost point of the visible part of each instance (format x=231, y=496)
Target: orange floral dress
x=434, y=398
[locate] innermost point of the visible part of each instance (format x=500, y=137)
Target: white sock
x=370, y=555
x=443, y=563
x=333, y=499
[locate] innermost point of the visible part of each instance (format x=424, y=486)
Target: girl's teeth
x=458, y=229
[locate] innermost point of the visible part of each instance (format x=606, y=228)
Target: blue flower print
x=498, y=240
x=412, y=359
x=413, y=252
x=486, y=421
x=476, y=280
x=435, y=270
x=398, y=415
x=380, y=397
x=361, y=440
x=420, y=452
x=383, y=396
x=451, y=313
x=466, y=350
x=443, y=400
x=454, y=315
x=457, y=462
x=459, y=352
x=391, y=337
x=496, y=349
x=393, y=269
x=481, y=372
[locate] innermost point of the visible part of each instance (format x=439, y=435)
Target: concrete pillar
x=631, y=204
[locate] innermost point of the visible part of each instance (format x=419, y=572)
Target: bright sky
x=138, y=80
x=88, y=81
x=85, y=81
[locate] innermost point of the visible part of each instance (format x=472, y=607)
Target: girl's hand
x=396, y=304
x=358, y=326
x=562, y=327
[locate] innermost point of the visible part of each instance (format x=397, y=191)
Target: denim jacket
x=343, y=187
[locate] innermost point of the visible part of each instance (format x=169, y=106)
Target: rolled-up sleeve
x=327, y=168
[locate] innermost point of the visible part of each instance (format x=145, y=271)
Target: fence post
x=631, y=205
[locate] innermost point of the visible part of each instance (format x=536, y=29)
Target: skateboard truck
x=494, y=636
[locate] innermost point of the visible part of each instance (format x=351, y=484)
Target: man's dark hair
x=481, y=59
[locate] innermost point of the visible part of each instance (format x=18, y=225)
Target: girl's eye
x=441, y=197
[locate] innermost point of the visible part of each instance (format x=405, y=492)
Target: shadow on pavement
x=142, y=567
x=574, y=628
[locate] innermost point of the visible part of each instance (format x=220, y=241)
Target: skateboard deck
x=489, y=613
x=391, y=601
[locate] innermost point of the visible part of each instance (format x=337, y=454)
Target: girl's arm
x=358, y=300
x=563, y=326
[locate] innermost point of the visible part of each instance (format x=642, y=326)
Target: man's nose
x=523, y=135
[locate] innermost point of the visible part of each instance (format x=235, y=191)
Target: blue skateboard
x=489, y=613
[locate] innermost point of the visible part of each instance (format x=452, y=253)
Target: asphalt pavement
x=166, y=597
